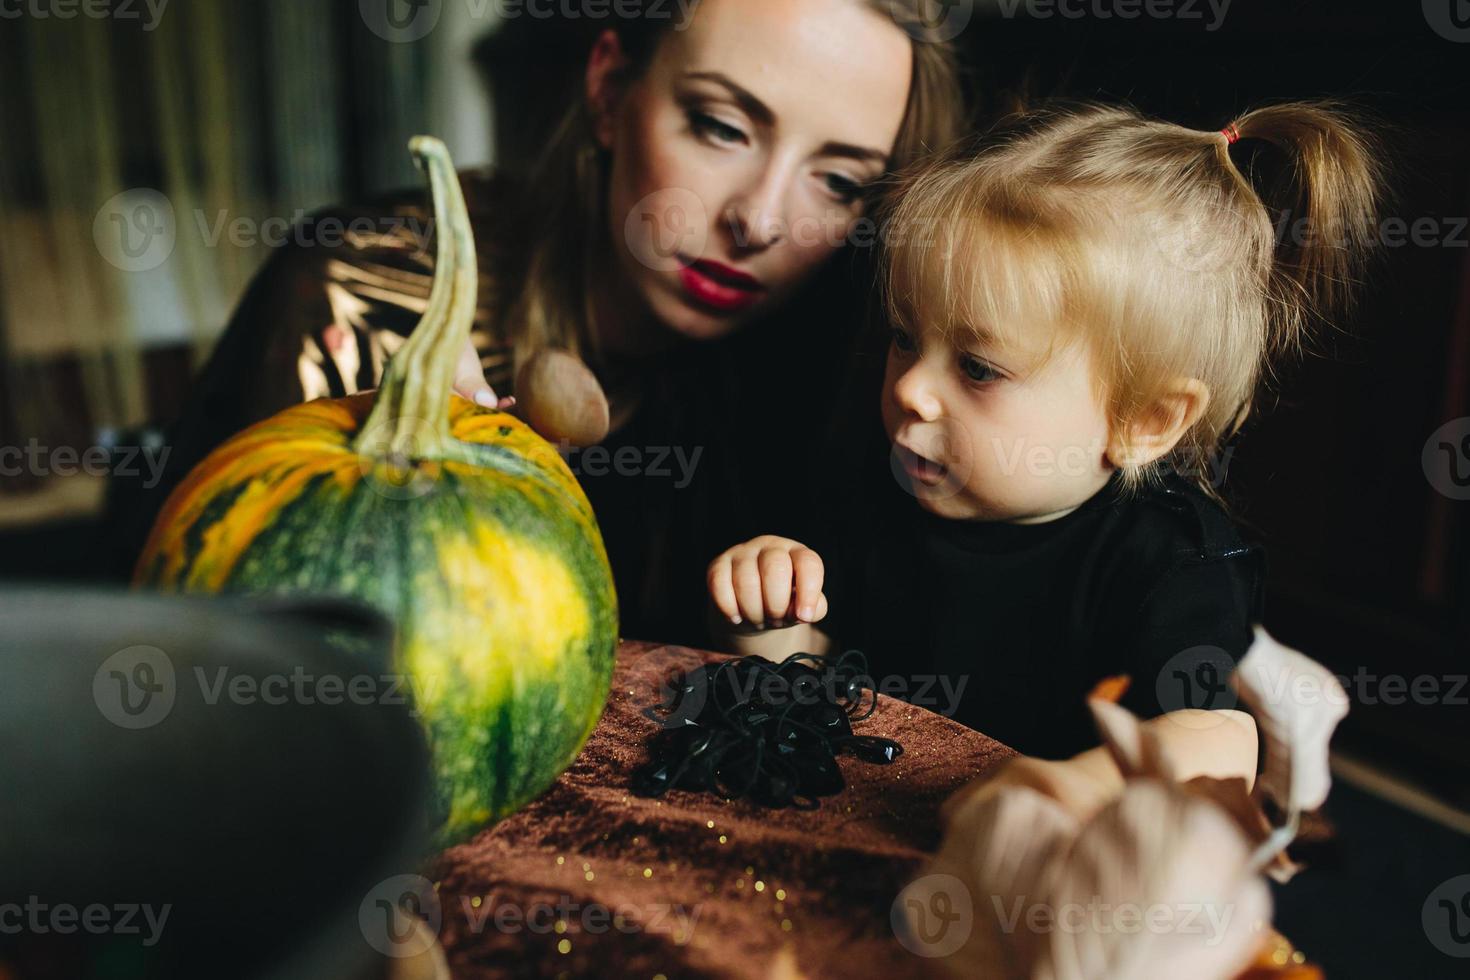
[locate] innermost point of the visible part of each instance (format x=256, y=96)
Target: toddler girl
x=1081, y=311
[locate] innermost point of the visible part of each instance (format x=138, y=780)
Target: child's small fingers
x=808, y=572
x=775, y=572
x=722, y=589
x=746, y=577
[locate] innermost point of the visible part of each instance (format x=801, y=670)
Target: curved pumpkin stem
x=410, y=419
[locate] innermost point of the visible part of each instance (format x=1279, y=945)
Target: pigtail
x=1328, y=227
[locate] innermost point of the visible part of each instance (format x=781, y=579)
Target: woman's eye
x=977, y=370
x=845, y=189
x=707, y=125
x=902, y=341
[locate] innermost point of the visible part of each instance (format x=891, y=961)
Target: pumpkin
x=459, y=522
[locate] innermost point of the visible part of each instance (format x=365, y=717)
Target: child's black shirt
x=1157, y=584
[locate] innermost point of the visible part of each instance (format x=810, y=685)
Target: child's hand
x=768, y=581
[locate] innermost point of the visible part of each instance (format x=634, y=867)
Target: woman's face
x=739, y=154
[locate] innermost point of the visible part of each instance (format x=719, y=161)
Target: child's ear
x=1160, y=426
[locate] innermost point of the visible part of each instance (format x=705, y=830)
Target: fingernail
x=736, y=620
x=508, y=401
x=484, y=399
x=805, y=613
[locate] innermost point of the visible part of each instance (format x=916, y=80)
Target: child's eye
x=902, y=341
x=708, y=126
x=977, y=370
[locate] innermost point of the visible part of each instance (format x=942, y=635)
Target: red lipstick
x=718, y=286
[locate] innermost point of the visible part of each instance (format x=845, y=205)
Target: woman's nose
x=755, y=215
x=914, y=393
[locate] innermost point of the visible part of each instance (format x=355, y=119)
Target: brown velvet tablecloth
x=591, y=880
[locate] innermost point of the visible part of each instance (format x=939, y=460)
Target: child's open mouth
x=924, y=470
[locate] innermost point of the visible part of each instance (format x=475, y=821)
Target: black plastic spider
x=769, y=731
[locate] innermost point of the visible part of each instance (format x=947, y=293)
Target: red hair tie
x=1232, y=135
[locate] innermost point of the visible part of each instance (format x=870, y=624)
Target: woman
x=678, y=236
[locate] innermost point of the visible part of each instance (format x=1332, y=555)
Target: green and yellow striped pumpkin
x=460, y=523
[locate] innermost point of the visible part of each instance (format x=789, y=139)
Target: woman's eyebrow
x=762, y=113
x=753, y=106
x=853, y=152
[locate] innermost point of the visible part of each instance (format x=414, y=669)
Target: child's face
x=985, y=430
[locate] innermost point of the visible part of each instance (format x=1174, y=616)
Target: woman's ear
x=605, y=64
x=1160, y=426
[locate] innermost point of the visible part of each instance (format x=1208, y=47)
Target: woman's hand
x=768, y=581
x=469, y=381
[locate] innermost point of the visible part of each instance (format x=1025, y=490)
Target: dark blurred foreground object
x=202, y=788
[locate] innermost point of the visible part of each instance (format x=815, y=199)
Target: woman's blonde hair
x=1144, y=239
x=565, y=209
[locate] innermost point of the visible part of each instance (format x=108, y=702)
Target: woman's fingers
x=809, y=573
x=469, y=381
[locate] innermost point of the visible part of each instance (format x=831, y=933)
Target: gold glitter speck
x=785, y=925
x=475, y=902
x=588, y=876
x=723, y=838
x=564, y=946
x=780, y=894
x=560, y=859
x=760, y=886
x=561, y=926
x=648, y=872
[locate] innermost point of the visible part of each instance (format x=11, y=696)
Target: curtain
x=152, y=157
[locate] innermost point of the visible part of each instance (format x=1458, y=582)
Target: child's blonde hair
x=1143, y=238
